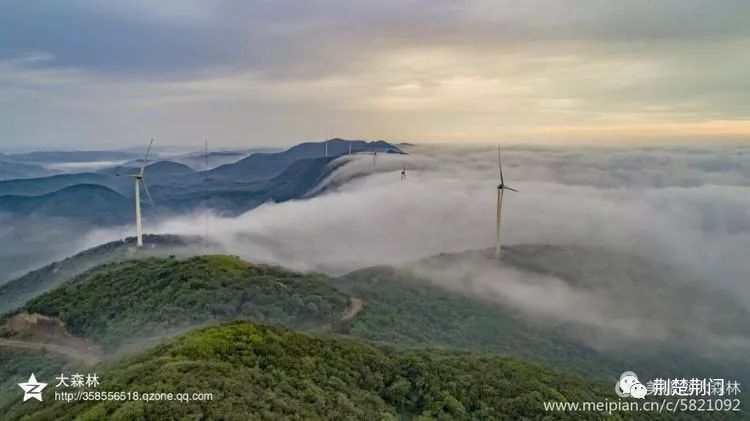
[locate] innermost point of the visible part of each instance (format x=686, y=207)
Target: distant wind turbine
x=326, y=142
x=500, y=189
x=140, y=179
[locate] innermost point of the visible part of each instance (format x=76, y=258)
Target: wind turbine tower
x=500, y=190
x=326, y=142
x=139, y=179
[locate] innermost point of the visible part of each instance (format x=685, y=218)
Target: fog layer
x=686, y=210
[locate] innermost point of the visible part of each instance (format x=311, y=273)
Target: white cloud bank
x=684, y=209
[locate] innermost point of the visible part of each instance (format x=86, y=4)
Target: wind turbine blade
x=145, y=157
x=510, y=188
x=150, y=200
x=500, y=164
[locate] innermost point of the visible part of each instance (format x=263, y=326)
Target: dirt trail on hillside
x=71, y=353
x=355, y=306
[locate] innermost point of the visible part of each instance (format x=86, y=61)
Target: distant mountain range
x=226, y=196
x=10, y=170
x=105, y=196
x=45, y=185
x=95, y=203
x=69, y=156
x=48, y=215
x=197, y=160
x=156, y=170
x=260, y=166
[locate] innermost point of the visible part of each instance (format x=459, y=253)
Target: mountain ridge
x=96, y=203
x=15, y=292
x=268, y=165
x=228, y=189
x=404, y=307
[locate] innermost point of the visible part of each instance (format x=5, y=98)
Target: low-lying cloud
x=695, y=219
x=686, y=209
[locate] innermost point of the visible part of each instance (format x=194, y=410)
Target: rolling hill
x=438, y=301
x=405, y=309
x=401, y=306
x=122, y=303
x=107, y=302
x=197, y=160
x=262, y=372
x=260, y=166
x=96, y=204
x=132, y=300
x=17, y=291
x=338, y=147
x=230, y=198
x=11, y=170
x=45, y=185
x=15, y=364
x=228, y=189
x=175, y=187
x=115, y=178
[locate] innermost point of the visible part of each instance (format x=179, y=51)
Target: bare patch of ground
x=355, y=306
x=43, y=333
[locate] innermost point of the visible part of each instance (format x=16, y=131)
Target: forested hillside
x=121, y=301
x=16, y=366
x=17, y=291
x=269, y=373
x=259, y=372
x=127, y=302
x=401, y=308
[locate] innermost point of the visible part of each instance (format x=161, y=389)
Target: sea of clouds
x=686, y=208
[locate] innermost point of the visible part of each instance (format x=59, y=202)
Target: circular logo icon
x=624, y=385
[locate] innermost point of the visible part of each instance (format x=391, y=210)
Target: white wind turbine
x=500, y=189
x=139, y=179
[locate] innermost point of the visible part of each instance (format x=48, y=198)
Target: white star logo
x=32, y=389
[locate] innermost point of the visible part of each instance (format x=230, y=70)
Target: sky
x=97, y=74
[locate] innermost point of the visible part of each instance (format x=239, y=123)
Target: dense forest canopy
x=140, y=299
x=268, y=373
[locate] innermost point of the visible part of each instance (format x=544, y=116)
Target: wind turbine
x=500, y=190
x=138, y=180
x=326, y=142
